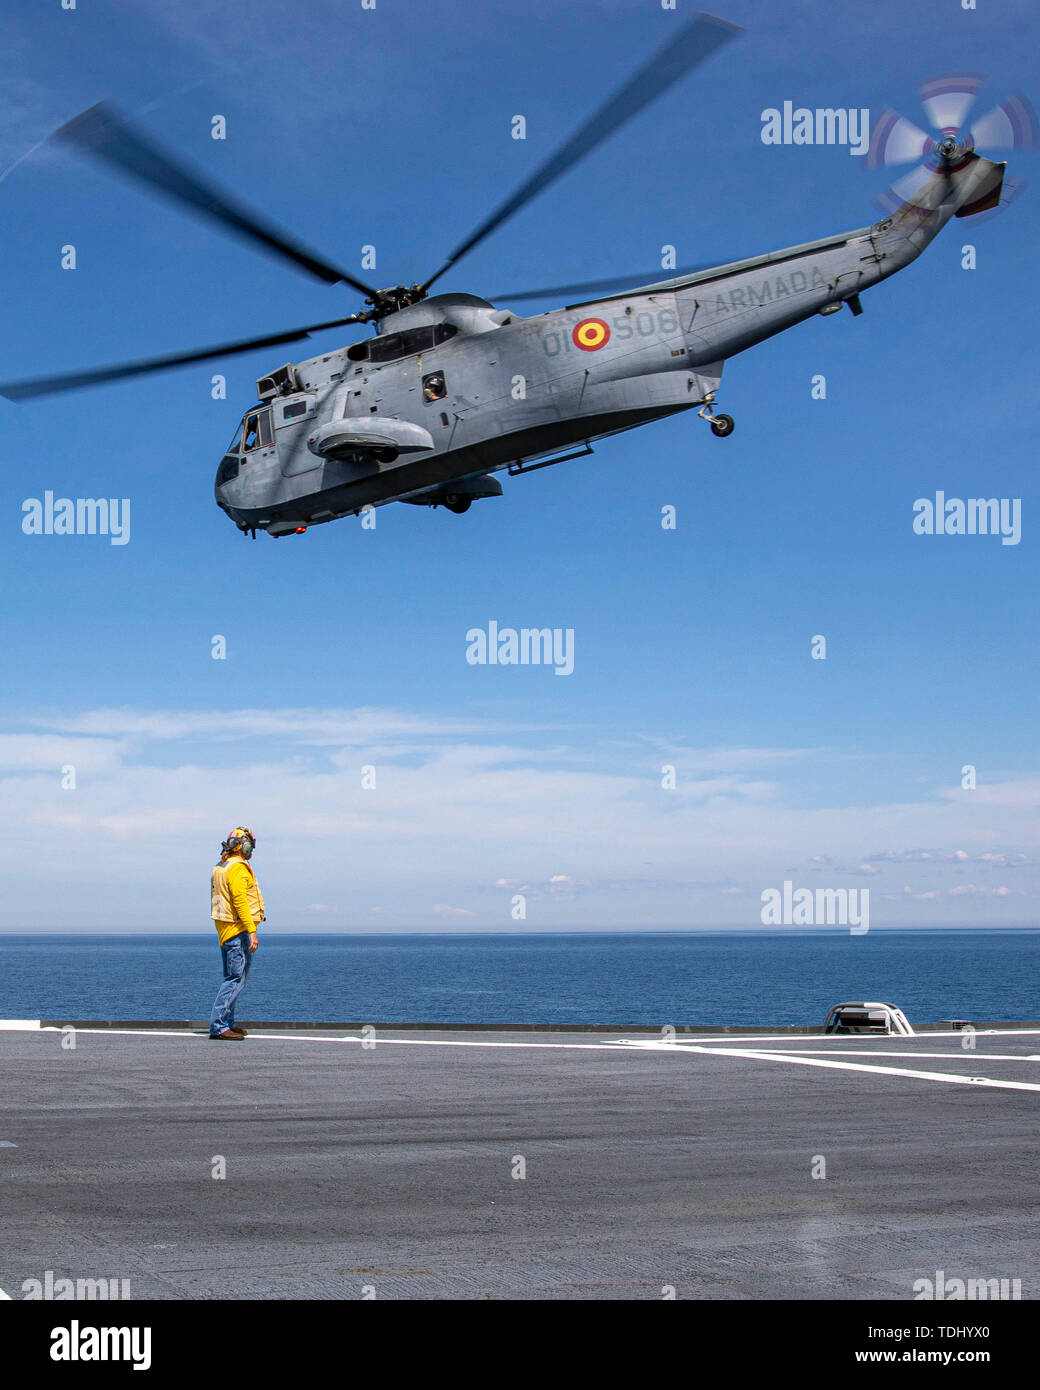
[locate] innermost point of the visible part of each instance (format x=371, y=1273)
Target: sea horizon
x=771, y=975
x=513, y=932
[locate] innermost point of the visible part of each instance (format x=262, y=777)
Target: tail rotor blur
x=947, y=103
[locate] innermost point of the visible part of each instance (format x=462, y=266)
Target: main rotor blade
x=697, y=41
x=73, y=381
x=103, y=133
x=619, y=282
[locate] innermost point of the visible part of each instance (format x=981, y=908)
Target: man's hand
x=253, y=943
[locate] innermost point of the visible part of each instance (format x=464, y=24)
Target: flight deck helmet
x=240, y=841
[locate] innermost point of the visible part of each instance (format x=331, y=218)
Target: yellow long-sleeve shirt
x=240, y=882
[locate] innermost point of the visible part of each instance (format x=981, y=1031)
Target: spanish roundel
x=590, y=334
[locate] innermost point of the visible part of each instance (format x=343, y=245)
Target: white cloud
x=464, y=812
x=50, y=753
x=333, y=727
x=1023, y=793
x=974, y=891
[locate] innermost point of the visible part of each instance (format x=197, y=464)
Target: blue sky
x=346, y=648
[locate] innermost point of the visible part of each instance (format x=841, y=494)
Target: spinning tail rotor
x=947, y=102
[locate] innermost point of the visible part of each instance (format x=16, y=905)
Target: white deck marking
x=342, y=1038
x=689, y=1039
x=960, y=1054
x=952, y=1078
x=683, y=1041
x=18, y=1025
x=963, y=1056
x=6, y=1296
x=798, y=1056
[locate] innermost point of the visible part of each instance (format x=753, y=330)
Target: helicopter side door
x=293, y=419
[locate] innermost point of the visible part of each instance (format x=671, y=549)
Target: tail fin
x=986, y=192
x=968, y=185
x=971, y=184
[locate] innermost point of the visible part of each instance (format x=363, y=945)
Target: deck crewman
x=237, y=911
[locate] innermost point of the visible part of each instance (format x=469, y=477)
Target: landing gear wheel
x=458, y=505
x=722, y=425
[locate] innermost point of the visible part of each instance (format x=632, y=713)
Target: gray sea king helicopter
x=452, y=389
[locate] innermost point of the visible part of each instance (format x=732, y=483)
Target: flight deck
x=462, y=1164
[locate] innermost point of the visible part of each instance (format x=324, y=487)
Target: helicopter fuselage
x=453, y=389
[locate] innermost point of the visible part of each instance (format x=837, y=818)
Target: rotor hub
x=389, y=301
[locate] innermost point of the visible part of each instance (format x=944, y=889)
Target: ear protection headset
x=240, y=841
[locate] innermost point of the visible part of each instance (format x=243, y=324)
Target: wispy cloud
x=435, y=818
x=334, y=727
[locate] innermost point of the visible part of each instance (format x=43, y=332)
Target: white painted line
x=343, y=1038
x=267, y=1036
x=19, y=1025
x=689, y=1040
x=6, y=1296
x=684, y=1040
x=959, y=1055
x=133, y=1032
x=625, y=1044
x=953, y=1078
x=6, y=1144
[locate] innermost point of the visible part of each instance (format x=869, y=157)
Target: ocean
x=698, y=977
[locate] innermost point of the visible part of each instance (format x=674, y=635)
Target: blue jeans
x=237, y=959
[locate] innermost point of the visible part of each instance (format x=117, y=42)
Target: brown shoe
x=228, y=1035
x=237, y=1028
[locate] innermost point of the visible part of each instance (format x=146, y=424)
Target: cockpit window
x=388, y=347
x=228, y=469
x=256, y=430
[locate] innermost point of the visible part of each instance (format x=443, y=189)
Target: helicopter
x=451, y=389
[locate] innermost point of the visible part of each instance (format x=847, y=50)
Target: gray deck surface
x=392, y=1166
